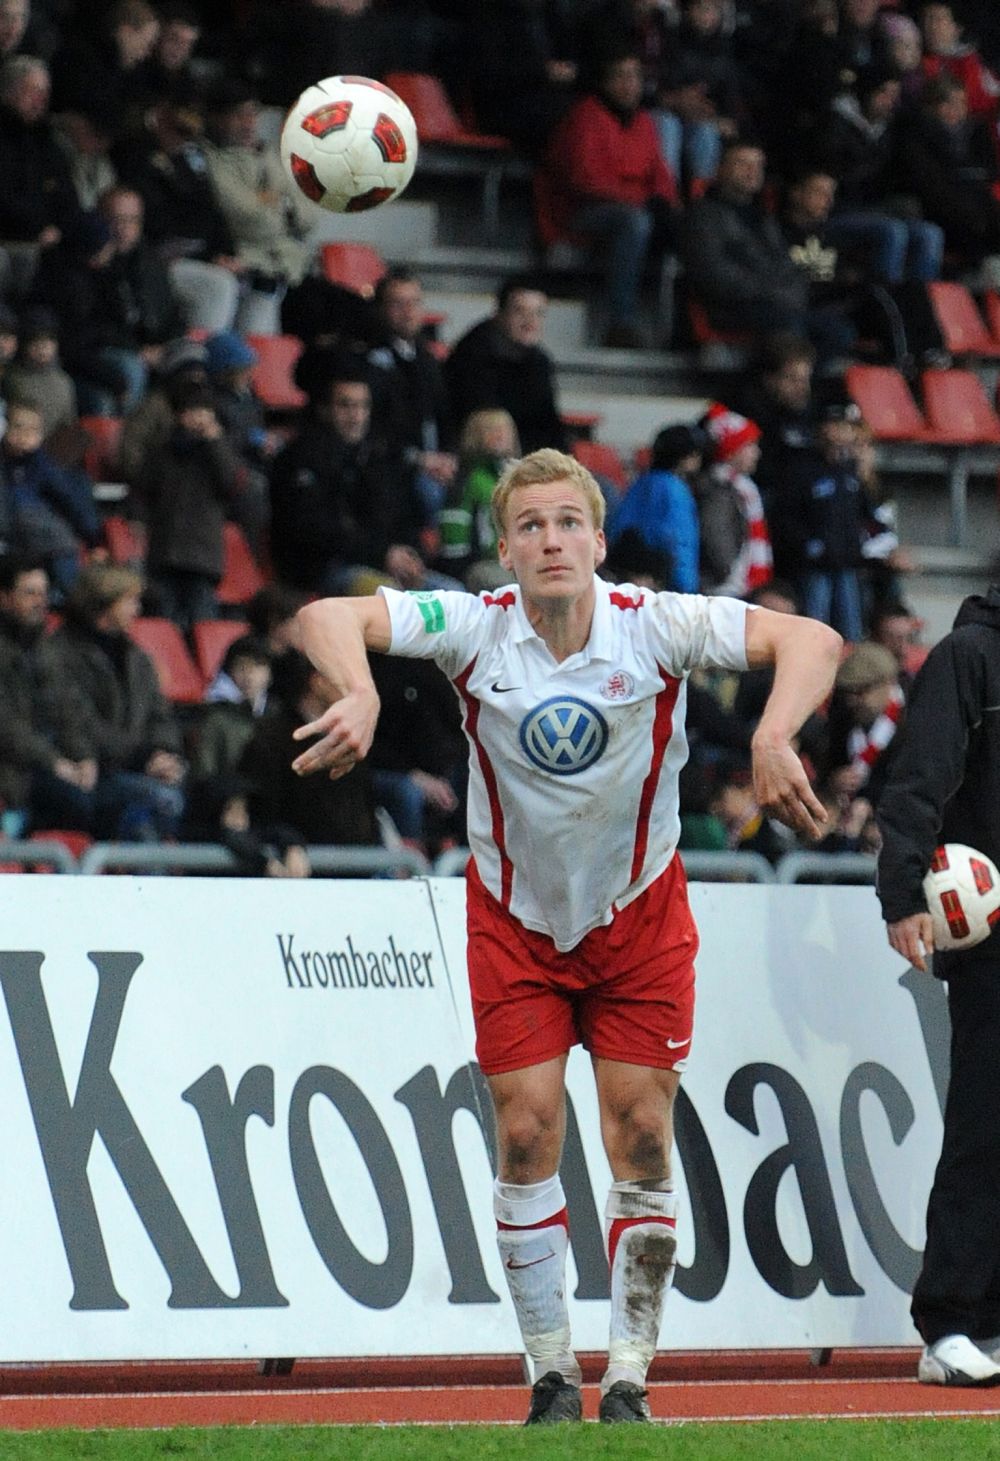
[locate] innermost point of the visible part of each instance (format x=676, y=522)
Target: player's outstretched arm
x=336, y=634
x=805, y=655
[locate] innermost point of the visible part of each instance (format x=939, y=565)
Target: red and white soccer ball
x=349, y=144
x=962, y=888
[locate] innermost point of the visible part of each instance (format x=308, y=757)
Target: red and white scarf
x=754, y=564
x=865, y=747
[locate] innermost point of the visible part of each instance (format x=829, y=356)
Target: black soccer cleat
x=623, y=1402
x=554, y=1400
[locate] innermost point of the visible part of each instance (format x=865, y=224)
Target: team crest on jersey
x=564, y=735
x=618, y=686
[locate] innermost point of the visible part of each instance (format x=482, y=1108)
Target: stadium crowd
x=812, y=165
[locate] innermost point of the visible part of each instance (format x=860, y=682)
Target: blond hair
x=478, y=423
x=538, y=469
x=98, y=586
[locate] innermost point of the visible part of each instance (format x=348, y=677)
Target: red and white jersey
x=573, y=799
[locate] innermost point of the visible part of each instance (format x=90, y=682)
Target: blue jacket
x=660, y=507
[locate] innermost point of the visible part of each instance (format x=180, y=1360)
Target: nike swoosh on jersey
x=678, y=1044
x=499, y=689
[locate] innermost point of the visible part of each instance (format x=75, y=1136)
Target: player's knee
x=640, y=1136
x=529, y=1146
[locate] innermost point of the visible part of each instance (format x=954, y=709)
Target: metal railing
x=701, y=867
x=197, y=857
x=31, y=854
x=826, y=867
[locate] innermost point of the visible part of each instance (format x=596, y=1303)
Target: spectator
x=465, y=523
x=858, y=145
x=700, y=95
x=340, y=502
x=825, y=525
x=268, y=218
x=735, y=550
x=950, y=165
x=37, y=199
x=737, y=261
x=125, y=718
x=898, y=316
x=779, y=397
x=408, y=379
x=218, y=811
x=21, y=33
x=171, y=72
x=292, y=45
x=271, y=616
x=866, y=710
x=229, y=363
x=237, y=698
x=165, y=163
x=113, y=296
x=147, y=428
x=501, y=362
x=526, y=68
x=659, y=506
x=45, y=511
x=905, y=51
x=606, y=180
x=321, y=812
x=86, y=138
x=862, y=41
x=185, y=494
x=808, y=77
x=107, y=61
x=418, y=758
x=747, y=828
x=40, y=734
x=897, y=629
x=36, y=378
x=946, y=52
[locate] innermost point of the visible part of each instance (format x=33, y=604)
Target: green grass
x=833, y=1440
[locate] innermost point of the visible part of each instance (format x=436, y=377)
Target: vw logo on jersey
x=564, y=735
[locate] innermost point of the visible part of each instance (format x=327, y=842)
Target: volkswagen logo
x=564, y=736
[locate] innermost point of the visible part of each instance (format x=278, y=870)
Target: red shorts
x=626, y=992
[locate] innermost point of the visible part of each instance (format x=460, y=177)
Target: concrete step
x=629, y=422
x=565, y=323
x=398, y=230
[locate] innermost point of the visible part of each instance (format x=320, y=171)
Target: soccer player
x=579, y=928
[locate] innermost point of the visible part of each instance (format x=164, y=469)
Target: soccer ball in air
x=962, y=888
x=349, y=144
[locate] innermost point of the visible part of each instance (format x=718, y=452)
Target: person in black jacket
x=944, y=786
x=38, y=202
x=502, y=362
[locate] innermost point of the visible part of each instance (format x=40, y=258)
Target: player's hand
x=345, y=732
x=781, y=788
x=913, y=937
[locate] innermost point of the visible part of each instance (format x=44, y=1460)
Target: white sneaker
x=955, y=1360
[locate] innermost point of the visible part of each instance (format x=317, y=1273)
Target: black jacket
x=487, y=369
x=944, y=784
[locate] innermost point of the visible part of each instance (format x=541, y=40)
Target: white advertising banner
x=241, y=1120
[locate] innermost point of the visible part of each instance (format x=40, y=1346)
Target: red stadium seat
x=272, y=378
x=100, y=458
x=957, y=407
x=436, y=118
x=125, y=542
x=180, y=679
x=241, y=577
x=355, y=266
x=962, y=326
x=212, y=637
x=601, y=459
x=887, y=404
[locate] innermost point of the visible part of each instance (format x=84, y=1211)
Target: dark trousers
x=958, y=1291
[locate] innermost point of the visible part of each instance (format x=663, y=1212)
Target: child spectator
x=271, y=616
x=866, y=709
x=36, y=377
x=45, y=511
x=185, y=494
x=465, y=522
x=660, y=507
x=735, y=541
x=826, y=525
x=237, y=698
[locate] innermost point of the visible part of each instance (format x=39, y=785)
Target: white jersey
x=573, y=798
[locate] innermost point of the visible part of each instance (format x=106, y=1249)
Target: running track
x=453, y=1390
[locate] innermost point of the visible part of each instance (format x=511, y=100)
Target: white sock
x=533, y=1236
x=640, y=1233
